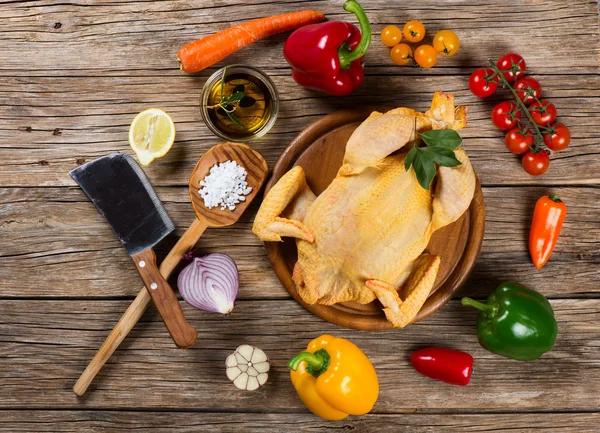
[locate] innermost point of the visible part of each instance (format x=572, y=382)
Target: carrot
x=205, y=52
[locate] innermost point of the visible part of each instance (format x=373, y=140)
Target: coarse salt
x=225, y=186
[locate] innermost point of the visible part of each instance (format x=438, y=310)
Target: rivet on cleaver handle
x=120, y=190
x=165, y=300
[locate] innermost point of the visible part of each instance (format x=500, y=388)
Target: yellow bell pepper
x=334, y=378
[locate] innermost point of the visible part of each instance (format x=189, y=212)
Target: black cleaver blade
x=122, y=193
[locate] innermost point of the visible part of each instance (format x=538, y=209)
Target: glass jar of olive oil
x=239, y=103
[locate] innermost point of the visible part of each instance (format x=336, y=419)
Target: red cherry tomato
x=536, y=163
x=513, y=66
x=505, y=115
x=481, y=82
x=528, y=89
x=543, y=112
x=518, y=141
x=558, y=138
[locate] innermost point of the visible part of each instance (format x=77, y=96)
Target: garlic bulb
x=248, y=367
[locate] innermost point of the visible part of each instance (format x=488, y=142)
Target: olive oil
x=253, y=111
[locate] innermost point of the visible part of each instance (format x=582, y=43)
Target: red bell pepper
x=448, y=365
x=328, y=56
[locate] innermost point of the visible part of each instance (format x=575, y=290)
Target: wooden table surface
x=73, y=75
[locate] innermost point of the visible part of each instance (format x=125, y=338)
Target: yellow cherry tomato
x=414, y=31
x=391, y=35
x=446, y=43
x=401, y=54
x=425, y=56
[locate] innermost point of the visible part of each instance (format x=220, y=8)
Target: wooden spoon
x=257, y=170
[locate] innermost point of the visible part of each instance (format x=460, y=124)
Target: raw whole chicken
x=364, y=236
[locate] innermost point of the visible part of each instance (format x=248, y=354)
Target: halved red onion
x=210, y=283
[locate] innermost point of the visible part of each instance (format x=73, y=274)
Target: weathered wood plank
x=183, y=422
x=46, y=344
x=129, y=36
x=58, y=232
x=46, y=134
x=73, y=75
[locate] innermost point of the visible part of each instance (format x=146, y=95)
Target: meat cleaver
x=120, y=190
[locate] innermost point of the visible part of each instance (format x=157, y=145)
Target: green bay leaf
x=442, y=156
x=424, y=169
x=410, y=157
x=448, y=138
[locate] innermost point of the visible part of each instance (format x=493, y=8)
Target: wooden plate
x=319, y=149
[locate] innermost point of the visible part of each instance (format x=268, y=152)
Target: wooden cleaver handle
x=137, y=307
x=164, y=298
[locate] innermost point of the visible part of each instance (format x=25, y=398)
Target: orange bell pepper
x=334, y=378
x=548, y=218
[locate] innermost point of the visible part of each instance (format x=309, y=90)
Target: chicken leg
x=416, y=290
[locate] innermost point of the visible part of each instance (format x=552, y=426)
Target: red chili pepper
x=327, y=56
x=448, y=365
x=548, y=217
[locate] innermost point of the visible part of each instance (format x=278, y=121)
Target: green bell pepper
x=515, y=322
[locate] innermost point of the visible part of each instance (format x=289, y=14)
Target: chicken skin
x=364, y=237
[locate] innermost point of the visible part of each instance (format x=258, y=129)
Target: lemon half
x=151, y=135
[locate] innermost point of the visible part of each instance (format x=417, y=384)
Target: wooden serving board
x=320, y=149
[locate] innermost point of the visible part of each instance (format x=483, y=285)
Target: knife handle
x=164, y=298
x=137, y=307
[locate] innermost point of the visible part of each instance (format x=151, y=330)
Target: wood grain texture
x=135, y=310
x=169, y=422
x=43, y=354
x=57, y=230
x=122, y=328
x=256, y=175
x=84, y=125
x=147, y=35
x=72, y=77
x=164, y=299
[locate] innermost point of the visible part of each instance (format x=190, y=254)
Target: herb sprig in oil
x=229, y=105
